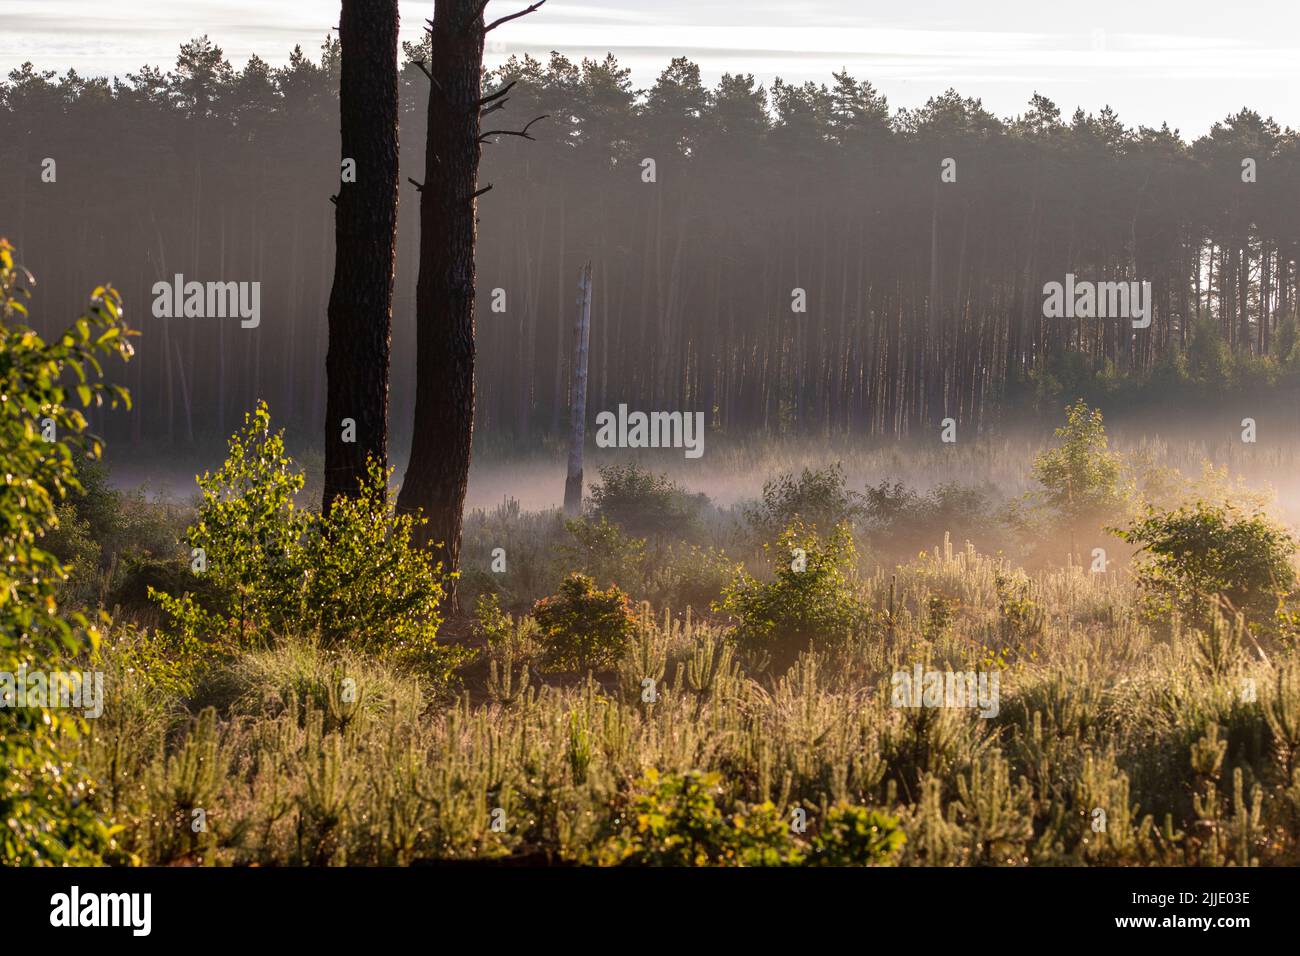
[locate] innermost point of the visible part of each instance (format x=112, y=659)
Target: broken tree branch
x=514, y=16
x=433, y=80
x=513, y=132
x=498, y=94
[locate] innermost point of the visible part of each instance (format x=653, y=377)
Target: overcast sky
x=1188, y=63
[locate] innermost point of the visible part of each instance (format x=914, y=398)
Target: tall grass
x=1115, y=742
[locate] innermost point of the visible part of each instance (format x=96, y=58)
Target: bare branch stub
x=498, y=100
x=512, y=132
x=480, y=192
x=419, y=186
x=514, y=16
x=433, y=80
x=498, y=94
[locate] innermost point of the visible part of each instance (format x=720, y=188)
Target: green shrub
x=810, y=601
x=689, y=576
x=366, y=583
x=251, y=535
x=606, y=552
x=46, y=817
x=673, y=820
x=491, y=624
x=901, y=521
x=761, y=836
x=74, y=545
x=582, y=627
x=644, y=504
x=1192, y=556
x=168, y=663
x=1082, y=481
x=856, y=836
x=816, y=498
x=354, y=576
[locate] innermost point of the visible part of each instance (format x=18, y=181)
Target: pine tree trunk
x=437, y=474
x=365, y=245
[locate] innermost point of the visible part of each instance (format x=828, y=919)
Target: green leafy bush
x=491, y=624
x=674, y=820
x=603, y=550
x=73, y=544
x=817, y=498
x=810, y=600
x=856, y=836
x=354, y=576
x=901, y=520
x=47, y=814
x=643, y=503
x=1083, y=482
x=251, y=535
x=689, y=576
x=366, y=582
x=1192, y=556
x=583, y=627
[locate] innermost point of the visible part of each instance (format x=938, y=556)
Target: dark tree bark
x=365, y=229
x=438, y=471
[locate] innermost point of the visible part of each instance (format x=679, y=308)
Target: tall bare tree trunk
x=437, y=474
x=578, y=396
x=365, y=230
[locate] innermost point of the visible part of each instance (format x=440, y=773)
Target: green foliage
x=810, y=600
x=689, y=576
x=856, y=836
x=1209, y=358
x=583, y=627
x=1109, y=715
x=491, y=623
x=673, y=820
x=109, y=540
x=901, y=520
x=45, y=816
x=604, y=551
x=366, y=583
x=642, y=503
x=75, y=547
x=168, y=662
x=1193, y=556
x=762, y=837
x=353, y=576
x=818, y=498
x=1020, y=617
x=1082, y=480
x=252, y=536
